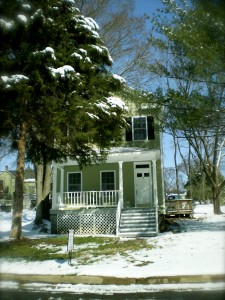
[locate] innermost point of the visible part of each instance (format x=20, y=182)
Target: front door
x=142, y=180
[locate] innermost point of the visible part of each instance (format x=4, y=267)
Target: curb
x=107, y=280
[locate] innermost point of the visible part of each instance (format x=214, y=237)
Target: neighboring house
x=123, y=196
x=7, y=186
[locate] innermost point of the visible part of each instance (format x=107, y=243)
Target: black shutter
x=151, y=129
x=129, y=129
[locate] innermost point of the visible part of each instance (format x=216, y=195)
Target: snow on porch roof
x=124, y=154
x=132, y=154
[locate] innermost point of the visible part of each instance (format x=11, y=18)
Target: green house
x=7, y=187
x=123, y=196
x=7, y=184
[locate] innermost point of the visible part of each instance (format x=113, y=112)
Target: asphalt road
x=165, y=295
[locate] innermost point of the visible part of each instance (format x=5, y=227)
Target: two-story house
x=122, y=196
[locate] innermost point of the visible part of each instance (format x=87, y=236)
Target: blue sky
x=147, y=6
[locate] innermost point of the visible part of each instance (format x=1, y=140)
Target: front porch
x=87, y=199
x=82, y=200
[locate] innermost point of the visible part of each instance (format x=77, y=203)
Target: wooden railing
x=182, y=206
x=88, y=199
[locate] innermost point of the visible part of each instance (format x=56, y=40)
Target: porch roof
x=125, y=154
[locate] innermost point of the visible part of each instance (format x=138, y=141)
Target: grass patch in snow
x=86, y=249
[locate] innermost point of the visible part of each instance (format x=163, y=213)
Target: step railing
x=118, y=215
x=87, y=199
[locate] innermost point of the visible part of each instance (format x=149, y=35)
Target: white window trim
x=146, y=127
x=80, y=178
x=106, y=171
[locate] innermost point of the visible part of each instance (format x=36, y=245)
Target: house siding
x=8, y=182
x=91, y=180
x=128, y=184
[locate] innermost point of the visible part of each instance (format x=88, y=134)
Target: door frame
x=150, y=180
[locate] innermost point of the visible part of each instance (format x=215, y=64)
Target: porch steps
x=138, y=222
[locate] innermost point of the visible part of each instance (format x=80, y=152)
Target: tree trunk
x=43, y=173
x=175, y=163
x=16, y=228
x=216, y=201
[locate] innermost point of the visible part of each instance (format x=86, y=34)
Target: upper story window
x=141, y=128
x=74, y=182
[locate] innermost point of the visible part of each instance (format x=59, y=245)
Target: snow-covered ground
x=198, y=250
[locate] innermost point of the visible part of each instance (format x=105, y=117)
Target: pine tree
x=58, y=98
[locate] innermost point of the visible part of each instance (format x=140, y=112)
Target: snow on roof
x=30, y=180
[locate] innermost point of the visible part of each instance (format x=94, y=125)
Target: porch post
x=155, y=184
x=121, y=183
x=155, y=188
x=54, y=195
x=62, y=185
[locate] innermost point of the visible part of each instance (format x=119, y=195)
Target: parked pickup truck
x=178, y=206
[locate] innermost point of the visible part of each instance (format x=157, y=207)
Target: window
x=1, y=185
x=141, y=128
x=74, y=182
x=107, y=180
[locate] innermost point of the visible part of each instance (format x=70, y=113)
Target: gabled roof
x=10, y=172
x=28, y=173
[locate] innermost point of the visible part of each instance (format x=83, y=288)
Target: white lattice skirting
x=85, y=221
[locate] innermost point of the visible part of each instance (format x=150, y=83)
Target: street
x=7, y=294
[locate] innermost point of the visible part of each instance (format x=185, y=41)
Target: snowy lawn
x=198, y=250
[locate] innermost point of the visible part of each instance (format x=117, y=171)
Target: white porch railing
x=88, y=199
